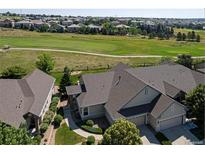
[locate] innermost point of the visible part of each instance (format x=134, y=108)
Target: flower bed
x=163, y=139
x=92, y=129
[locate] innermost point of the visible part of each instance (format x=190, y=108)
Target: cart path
x=89, y=53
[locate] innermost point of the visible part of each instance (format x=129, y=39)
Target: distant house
x=24, y=24
x=6, y=23
x=26, y=100
x=148, y=95
x=38, y=24
x=122, y=26
x=67, y=22
x=73, y=28
x=92, y=26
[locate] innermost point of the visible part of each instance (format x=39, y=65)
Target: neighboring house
x=26, y=100
x=200, y=67
x=148, y=95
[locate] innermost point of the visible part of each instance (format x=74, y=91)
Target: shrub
x=163, y=139
x=58, y=119
x=90, y=140
x=89, y=123
x=92, y=129
x=44, y=127
x=48, y=117
x=54, y=103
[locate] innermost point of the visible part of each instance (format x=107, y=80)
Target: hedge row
x=92, y=129
x=46, y=121
x=49, y=114
x=163, y=139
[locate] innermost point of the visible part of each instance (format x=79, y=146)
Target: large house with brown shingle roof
x=147, y=95
x=25, y=100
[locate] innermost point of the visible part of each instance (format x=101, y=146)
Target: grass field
x=27, y=59
x=114, y=45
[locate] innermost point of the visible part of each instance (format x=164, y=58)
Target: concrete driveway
x=180, y=135
x=147, y=136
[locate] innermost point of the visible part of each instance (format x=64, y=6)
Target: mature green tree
x=184, y=37
x=179, y=36
x=195, y=100
x=13, y=72
x=45, y=63
x=172, y=31
x=12, y=136
x=189, y=35
x=193, y=35
x=65, y=81
x=122, y=132
x=198, y=38
x=185, y=60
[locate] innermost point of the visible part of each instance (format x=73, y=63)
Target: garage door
x=138, y=120
x=170, y=122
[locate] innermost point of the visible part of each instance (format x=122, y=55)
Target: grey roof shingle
x=72, y=90
x=40, y=84
x=97, y=89
x=120, y=85
x=124, y=88
x=20, y=96
x=178, y=76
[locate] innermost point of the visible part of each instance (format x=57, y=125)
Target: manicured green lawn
x=113, y=45
x=65, y=136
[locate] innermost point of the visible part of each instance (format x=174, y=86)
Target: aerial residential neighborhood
x=101, y=80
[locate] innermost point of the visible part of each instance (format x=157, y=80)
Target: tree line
x=190, y=36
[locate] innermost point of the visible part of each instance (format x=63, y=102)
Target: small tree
x=185, y=60
x=193, y=36
x=184, y=37
x=13, y=72
x=179, y=36
x=195, y=100
x=65, y=81
x=45, y=63
x=198, y=38
x=122, y=132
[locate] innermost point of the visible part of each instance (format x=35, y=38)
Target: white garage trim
x=171, y=122
x=171, y=117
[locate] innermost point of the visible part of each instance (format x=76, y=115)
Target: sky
x=156, y=13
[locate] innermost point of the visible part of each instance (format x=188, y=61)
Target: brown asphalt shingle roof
x=21, y=96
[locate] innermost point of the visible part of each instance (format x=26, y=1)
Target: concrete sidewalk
x=69, y=121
